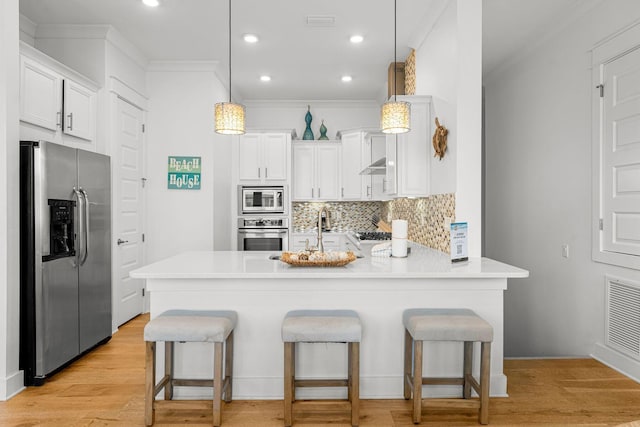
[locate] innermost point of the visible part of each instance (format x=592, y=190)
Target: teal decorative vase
x=308, y=133
x=323, y=132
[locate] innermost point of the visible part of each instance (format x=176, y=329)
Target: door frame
x=611, y=48
x=120, y=91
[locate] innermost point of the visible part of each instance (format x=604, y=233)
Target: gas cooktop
x=373, y=235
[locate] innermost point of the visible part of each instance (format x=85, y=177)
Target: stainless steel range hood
x=379, y=167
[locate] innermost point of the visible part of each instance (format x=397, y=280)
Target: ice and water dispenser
x=61, y=229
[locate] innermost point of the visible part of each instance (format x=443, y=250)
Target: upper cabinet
x=263, y=157
x=411, y=151
x=316, y=170
x=58, y=99
x=360, y=149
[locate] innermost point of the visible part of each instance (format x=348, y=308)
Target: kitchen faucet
x=328, y=224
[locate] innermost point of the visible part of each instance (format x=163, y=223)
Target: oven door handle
x=263, y=233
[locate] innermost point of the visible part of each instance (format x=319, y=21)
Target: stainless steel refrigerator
x=65, y=255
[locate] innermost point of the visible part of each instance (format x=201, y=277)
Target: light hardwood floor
x=106, y=388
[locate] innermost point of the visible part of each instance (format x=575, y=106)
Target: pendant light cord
x=229, y=51
x=395, y=46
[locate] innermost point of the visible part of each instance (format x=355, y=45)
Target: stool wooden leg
x=289, y=362
x=217, y=384
x=408, y=352
x=228, y=368
x=168, y=369
x=467, y=369
x=293, y=372
x=150, y=382
x=354, y=383
x=485, y=375
x=417, y=381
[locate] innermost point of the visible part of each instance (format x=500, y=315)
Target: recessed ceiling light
x=265, y=78
x=356, y=39
x=251, y=38
x=151, y=3
x=347, y=79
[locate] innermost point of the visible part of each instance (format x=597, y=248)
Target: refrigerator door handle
x=80, y=222
x=85, y=255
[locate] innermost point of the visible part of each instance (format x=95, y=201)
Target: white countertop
x=421, y=263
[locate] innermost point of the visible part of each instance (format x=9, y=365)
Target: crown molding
x=27, y=26
x=429, y=20
x=94, y=32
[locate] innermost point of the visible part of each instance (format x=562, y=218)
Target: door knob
x=122, y=242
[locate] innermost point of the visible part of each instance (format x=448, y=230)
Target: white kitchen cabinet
x=40, y=95
x=412, y=152
x=263, y=157
x=316, y=167
x=351, y=180
x=56, y=98
x=330, y=240
x=361, y=148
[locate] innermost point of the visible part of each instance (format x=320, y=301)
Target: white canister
x=399, y=228
x=398, y=247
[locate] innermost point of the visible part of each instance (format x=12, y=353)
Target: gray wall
x=538, y=186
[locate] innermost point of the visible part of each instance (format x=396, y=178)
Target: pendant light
x=229, y=117
x=395, y=116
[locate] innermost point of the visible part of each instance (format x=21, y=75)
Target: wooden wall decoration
x=410, y=74
x=440, y=140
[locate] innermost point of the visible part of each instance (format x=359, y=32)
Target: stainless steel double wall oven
x=263, y=224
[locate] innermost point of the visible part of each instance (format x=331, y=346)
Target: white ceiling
x=305, y=62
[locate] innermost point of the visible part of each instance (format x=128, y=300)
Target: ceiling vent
x=321, y=21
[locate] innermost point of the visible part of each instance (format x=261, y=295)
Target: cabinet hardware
x=258, y=172
x=122, y=242
x=601, y=224
x=313, y=194
x=342, y=192
x=368, y=190
x=59, y=119
x=266, y=172
x=319, y=192
x=384, y=185
x=601, y=87
x=144, y=181
x=70, y=117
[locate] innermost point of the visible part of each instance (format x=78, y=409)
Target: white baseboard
x=618, y=361
x=11, y=385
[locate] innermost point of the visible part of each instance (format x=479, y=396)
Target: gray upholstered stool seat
x=447, y=324
x=189, y=326
x=322, y=326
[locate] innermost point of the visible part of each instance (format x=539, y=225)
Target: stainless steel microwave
x=262, y=199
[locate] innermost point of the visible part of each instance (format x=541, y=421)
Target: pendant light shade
x=229, y=117
x=395, y=116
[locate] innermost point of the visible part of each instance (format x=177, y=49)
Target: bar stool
x=449, y=324
x=189, y=326
x=322, y=326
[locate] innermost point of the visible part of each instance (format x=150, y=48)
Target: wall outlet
x=565, y=251
x=447, y=222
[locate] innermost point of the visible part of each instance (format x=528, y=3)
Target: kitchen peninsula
x=262, y=290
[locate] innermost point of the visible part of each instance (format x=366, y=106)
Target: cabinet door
x=274, y=154
x=78, y=110
x=303, y=172
x=351, y=180
x=249, y=157
x=390, y=182
x=378, y=151
x=327, y=169
x=40, y=88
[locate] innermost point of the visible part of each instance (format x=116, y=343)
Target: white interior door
x=621, y=155
x=128, y=231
